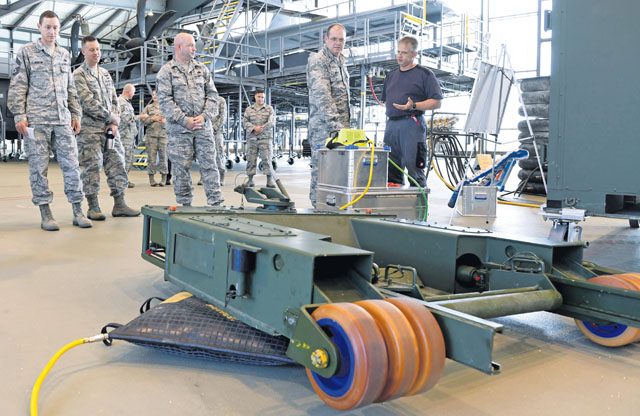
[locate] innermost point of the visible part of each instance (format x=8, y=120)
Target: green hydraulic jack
x=317, y=279
x=270, y=199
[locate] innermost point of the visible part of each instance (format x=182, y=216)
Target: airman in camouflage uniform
x=187, y=97
x=100, y=113
x=128, y=126
x=156, y=140
x=328, y=84
x=258, y=121
x=42, y=96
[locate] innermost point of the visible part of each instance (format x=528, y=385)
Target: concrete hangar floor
x=60, y=286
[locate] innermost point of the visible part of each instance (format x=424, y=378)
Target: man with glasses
x=328, y=84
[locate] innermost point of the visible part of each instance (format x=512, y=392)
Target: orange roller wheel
x=362, y=370
x=430, y=343
x=613, y=334
x=634, y=279
x=402, y=348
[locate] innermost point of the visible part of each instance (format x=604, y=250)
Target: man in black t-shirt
x=408, y=92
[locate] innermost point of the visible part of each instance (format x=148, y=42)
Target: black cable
x=453, y=154
x=523, y=184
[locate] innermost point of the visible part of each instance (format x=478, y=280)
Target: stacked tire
x=535, y=96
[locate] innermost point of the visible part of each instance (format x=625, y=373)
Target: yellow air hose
x=33, y=407
x=444, y=181
x=517, y=204
x=366, y=189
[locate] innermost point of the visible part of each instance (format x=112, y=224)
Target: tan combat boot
x=79, y=220
x=94, y=212
x=47, y=223
x=270, y=182
x=120, y=208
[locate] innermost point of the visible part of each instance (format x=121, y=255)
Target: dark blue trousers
x=407, y=139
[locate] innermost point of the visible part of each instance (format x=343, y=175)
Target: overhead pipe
x=141, y=7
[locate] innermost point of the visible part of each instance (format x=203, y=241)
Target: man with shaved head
x=128, y=126
x=188, y=100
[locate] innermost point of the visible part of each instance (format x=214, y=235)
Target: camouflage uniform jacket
x=186, y=91
x=42, y=90
x=219, y=121
x=259, y=116
x=328, y=83
x=154, y=128
x=128, y=125
x=97, y=97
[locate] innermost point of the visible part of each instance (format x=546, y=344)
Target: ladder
x=215, y=32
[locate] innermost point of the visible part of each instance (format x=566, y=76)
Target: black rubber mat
x=186, y=325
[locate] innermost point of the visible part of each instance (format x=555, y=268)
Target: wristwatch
x=413, y=107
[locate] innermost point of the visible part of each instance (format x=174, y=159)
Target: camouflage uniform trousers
x=67, y=154
x=183, y=149
x=128, y=142
x=156, y=154
x=259, y=146
x=92, y=155
x=220, y=153
x=317, y=139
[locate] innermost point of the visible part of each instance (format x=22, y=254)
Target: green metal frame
x=306, y=259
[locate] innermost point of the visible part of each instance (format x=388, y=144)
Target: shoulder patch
x=17, y=63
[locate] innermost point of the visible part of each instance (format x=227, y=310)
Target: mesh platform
x=186, y=325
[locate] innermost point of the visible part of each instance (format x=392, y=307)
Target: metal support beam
x=26, y=15
x=124, y=26
x=106, y=23
x=183, y=7
x=158, y=6
x=363, y=95
x=5, y=9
